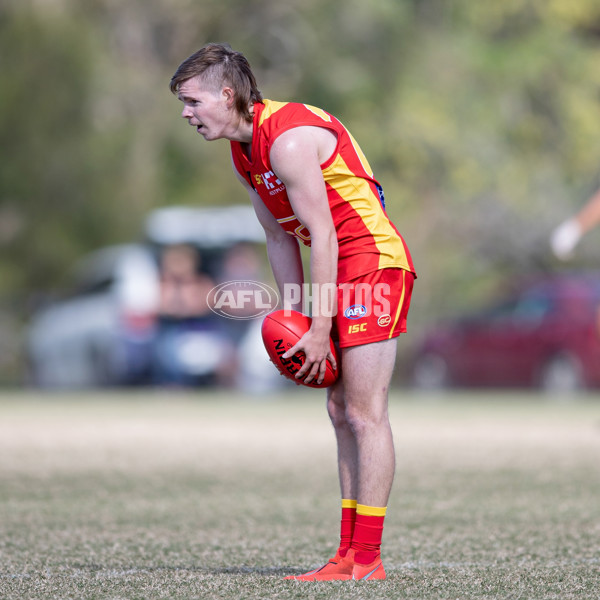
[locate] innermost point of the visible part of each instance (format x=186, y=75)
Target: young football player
x=310, y=182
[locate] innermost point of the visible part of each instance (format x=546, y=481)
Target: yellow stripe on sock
x=348, y=503
x=371, y=511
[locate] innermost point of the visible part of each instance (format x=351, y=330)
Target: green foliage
x=42, y=72
x=479, y=118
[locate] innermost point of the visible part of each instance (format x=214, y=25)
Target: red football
x=280, y=331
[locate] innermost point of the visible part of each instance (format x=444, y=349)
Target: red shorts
x=373, y=307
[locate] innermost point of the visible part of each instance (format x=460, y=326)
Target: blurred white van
x=105, y=332
x=101, y=333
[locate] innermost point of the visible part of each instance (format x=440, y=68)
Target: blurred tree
x=497, y=131
x=479, y=118
x=43, y=98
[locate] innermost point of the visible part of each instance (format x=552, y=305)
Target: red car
x=545, y=335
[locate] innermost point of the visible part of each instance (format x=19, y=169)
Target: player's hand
x=564, y=239
x=317, y=350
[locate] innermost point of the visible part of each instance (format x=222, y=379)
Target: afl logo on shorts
x=384, y=320
x=356, y=311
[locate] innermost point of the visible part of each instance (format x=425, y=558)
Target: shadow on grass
x=115, y=571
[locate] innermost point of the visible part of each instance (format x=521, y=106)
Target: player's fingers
x=297, y=348
x=292, y=350
x=304, y=369
x=331, y=359
x=322, y=370
x=316, y=371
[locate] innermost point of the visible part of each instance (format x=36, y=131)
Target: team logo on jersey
x=356, y=311
x=271, y=182
x=384, y=320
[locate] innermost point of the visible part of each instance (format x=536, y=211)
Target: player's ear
x=229, y=96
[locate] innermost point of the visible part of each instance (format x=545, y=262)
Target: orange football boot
x=330, y=567
x=369, y=572
x=343, y=569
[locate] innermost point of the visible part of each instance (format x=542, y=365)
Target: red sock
x=368, y=531
x=347, y=525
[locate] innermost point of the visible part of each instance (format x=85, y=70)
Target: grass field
x=168, y=495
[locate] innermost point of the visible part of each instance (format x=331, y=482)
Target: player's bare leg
x=346, y=441
x=367, y=372
x=358, y=407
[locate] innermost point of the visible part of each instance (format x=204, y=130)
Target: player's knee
x=365, y=418
x=336, y=409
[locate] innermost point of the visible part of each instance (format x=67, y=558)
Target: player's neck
x=242, y=133
x=244, y=137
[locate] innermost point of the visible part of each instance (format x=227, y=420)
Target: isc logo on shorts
x=357, y=327
x=356, y=311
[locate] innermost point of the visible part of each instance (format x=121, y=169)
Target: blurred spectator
x=254, y=372
x=242, y=262
x=567, y=235
x=191, y=345
x=183, y=286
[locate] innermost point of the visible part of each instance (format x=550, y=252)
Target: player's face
x=206, y=110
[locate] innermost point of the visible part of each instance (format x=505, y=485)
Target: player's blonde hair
x=218, y=65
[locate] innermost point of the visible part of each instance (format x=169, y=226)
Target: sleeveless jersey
x=367, y=239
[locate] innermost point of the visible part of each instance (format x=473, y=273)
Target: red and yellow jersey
x=367, y=239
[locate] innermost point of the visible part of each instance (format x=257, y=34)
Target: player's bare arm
x=589, y=216
x=296, y=158
x=282, y=249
